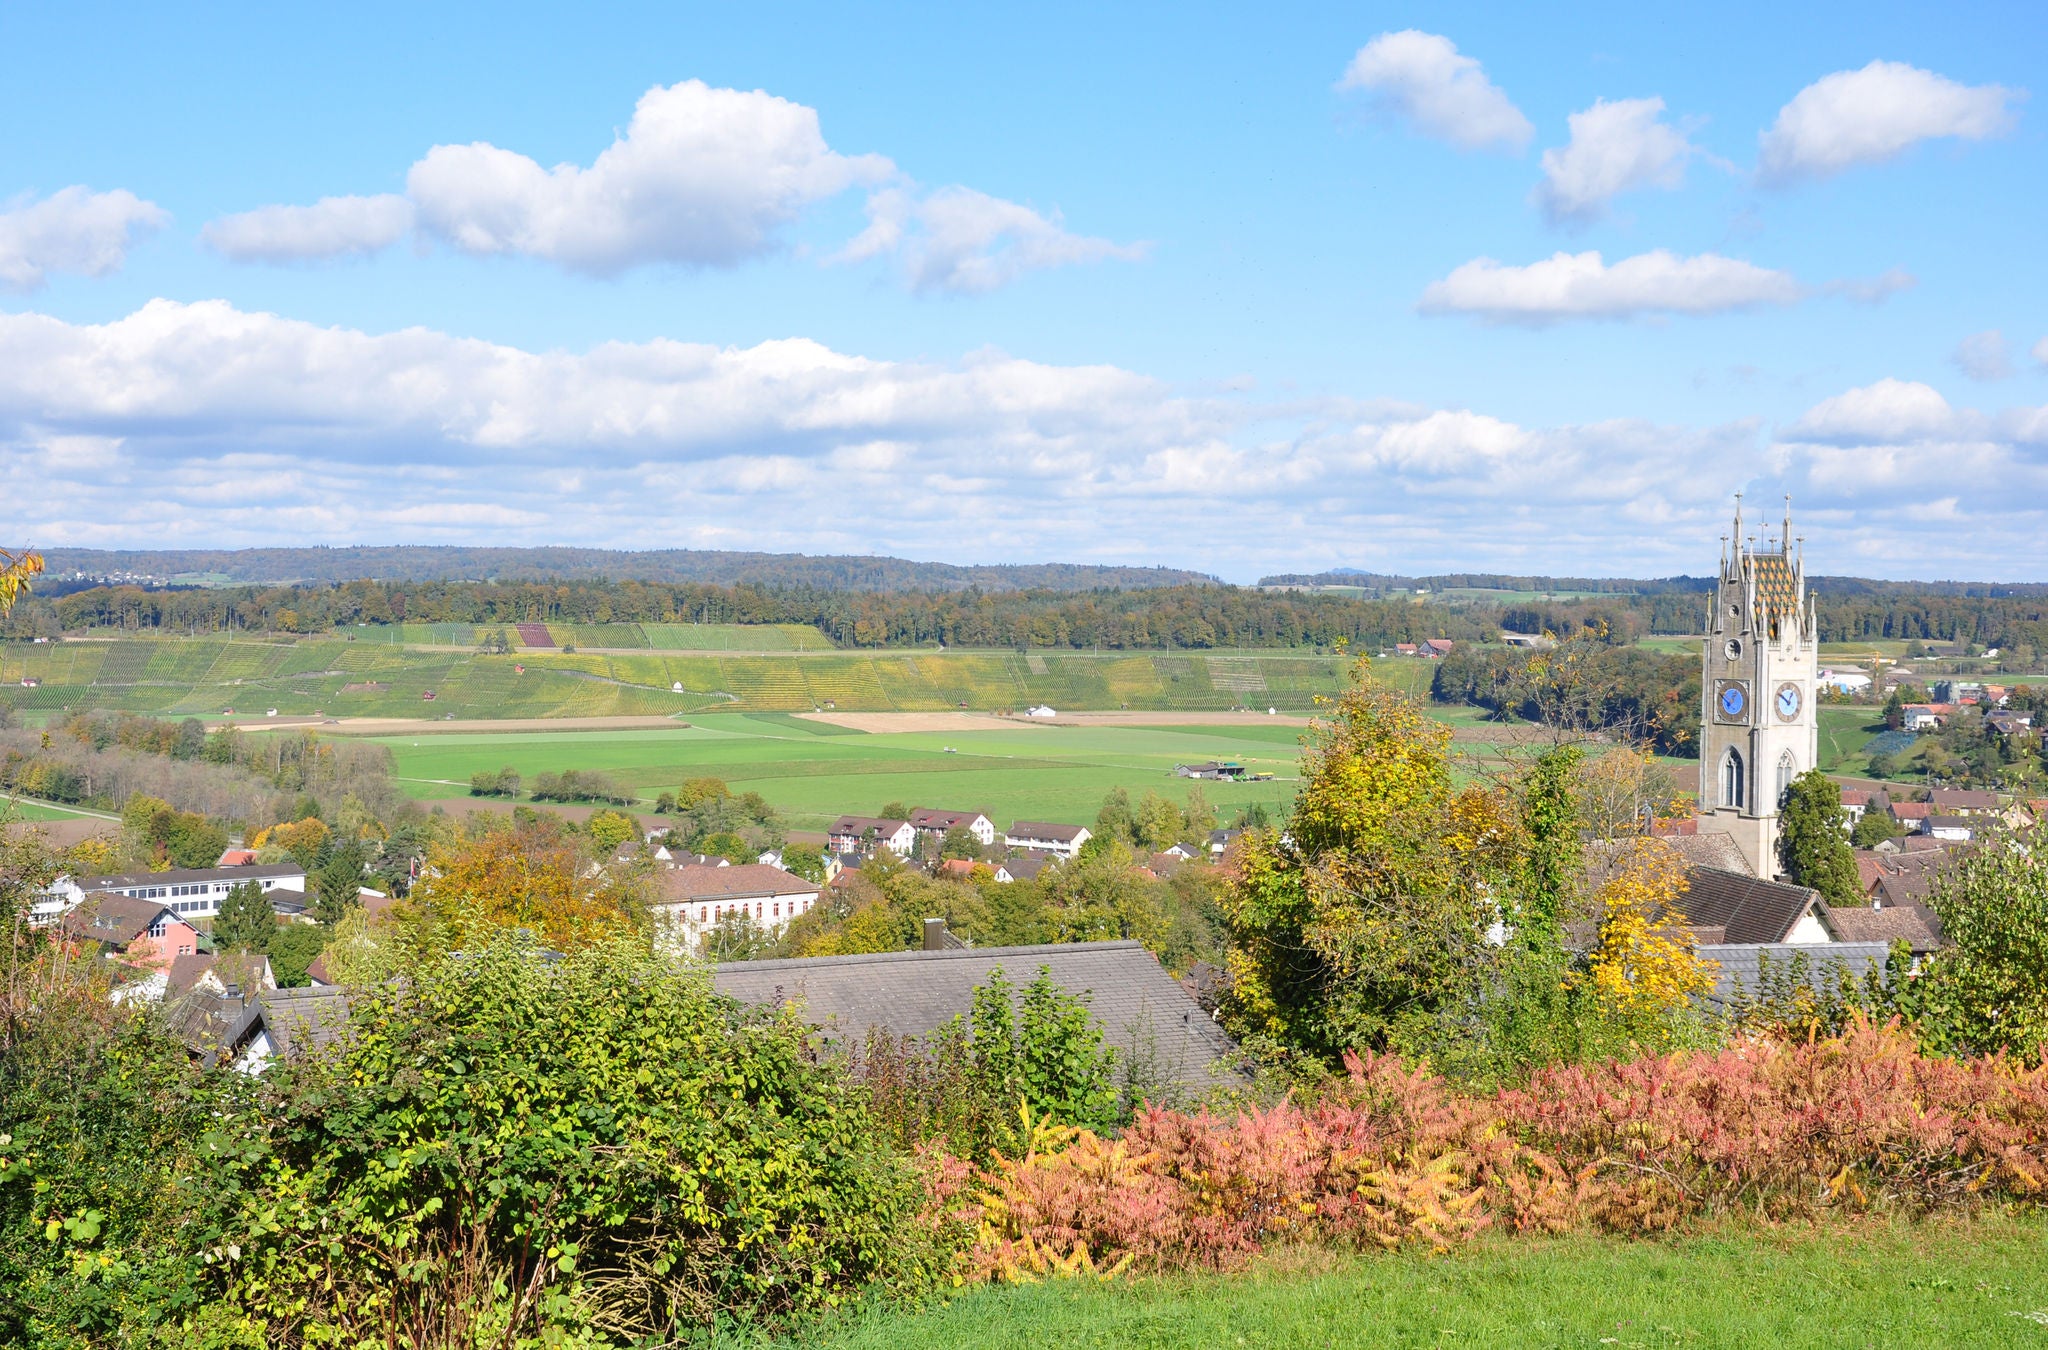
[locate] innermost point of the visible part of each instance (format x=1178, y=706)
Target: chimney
x=935, y=935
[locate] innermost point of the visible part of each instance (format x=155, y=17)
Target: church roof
x=1777, y=589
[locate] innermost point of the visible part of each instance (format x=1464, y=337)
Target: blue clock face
x=1788, y=701
x=1733, y=701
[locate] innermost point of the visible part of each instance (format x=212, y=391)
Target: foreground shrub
x=959, y=1086
x=1395, y=1155
x=505, y=1144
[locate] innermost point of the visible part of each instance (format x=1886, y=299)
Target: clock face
x=1789, y=700
x=1734, y=700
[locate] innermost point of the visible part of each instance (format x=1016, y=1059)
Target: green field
x=366, y=673
x=813, y=772
x=1843, y=732
x=1902, y=1288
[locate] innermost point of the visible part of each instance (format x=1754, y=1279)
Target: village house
x=1955, y=802
x=1912, y=816
x=692, y=900
x=1724, y=906
x=144, y=934
x=1926, y=716
x=864, y=834
x=2007, y=723
x=1061, y=841
x=1857, y=802
x=934, y=824
x=1024, y=867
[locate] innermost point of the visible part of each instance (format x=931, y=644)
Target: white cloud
x=1865, y=116
x=1889, y=411
x=1584, y=286
x=1615, y=146
x=1984, y=356
x=1423, y=78
x=333, y=227
x=1872, y=460
x=966, y=242
x=73, y=230
x=201, y=424
x=701, y=176
x=2041, y=351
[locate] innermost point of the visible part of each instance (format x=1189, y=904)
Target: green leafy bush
x=594, y=1142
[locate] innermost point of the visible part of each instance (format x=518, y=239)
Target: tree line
x=1187, y=617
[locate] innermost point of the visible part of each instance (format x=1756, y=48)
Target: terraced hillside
x=343, y=676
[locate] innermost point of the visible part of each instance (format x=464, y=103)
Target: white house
x=1848, y=681
x=1040, y=711
x=1062, y=841
x=188, y=892
x=936, y=823
x=693, y=899
x=851, y=834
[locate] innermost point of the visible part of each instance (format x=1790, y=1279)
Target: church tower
x=1758, y=730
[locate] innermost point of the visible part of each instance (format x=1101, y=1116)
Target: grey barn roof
x=1740, y=963
x=1143, y=1011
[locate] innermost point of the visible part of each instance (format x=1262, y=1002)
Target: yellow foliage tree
x=1645, y=963
x=301, y=838
x=532, y=877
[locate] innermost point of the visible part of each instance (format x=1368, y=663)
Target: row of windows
x=714, y=913
x=193, y=906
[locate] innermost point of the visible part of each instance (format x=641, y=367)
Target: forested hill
x=1826, y=586
x=1492, y=581
x=285, y=566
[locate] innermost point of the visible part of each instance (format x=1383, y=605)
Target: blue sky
x=1232, y=288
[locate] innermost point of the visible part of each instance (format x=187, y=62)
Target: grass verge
x=1963, y=1283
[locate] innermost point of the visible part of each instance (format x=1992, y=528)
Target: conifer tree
x=1813, y=839
x=246, y=921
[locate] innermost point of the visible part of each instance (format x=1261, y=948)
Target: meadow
x=1844, y=730
x=812, y=771
x=375, y=673
x=1975, y=1283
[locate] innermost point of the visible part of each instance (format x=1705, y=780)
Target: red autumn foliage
x=1396, y=1155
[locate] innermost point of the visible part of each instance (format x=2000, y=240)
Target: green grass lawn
x=20, y=808
x=812, y=772
x=1843, y=731
x=1980, y=1284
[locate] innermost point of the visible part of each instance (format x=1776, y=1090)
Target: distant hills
x=1488, y=581
x=1680, y=585
x=280, y=566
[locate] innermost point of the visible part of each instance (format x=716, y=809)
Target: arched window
x=1731, y=780
x=1788, y=769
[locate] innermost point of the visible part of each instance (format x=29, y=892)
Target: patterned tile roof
x=1777, y=590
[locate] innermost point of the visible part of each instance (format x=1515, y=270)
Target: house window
x=156, y=927
x=1731, y=780
x=185, y=949
x=703, y=914
x=1788, y=769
